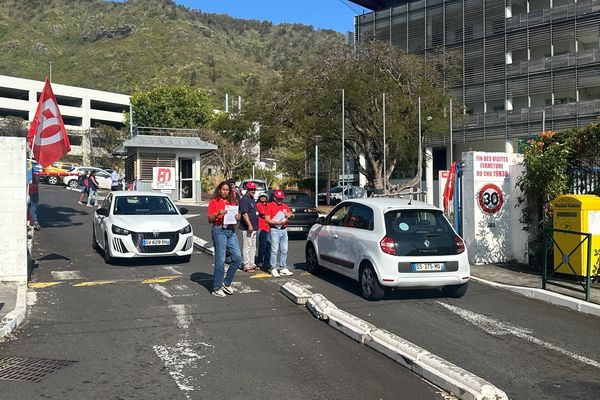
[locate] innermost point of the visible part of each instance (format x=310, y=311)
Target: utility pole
x=343, y=147
x=50, y=77
x=420, y=155
x=384, y=152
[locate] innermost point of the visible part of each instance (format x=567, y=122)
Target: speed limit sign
x=490, y=198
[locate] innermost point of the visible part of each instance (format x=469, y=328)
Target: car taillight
x=310, y=210
x=388, y=245
x=460, y=245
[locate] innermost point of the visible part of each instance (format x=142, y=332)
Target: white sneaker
x=275, y=273
x=219, y=293
x=285, y=271
x=227, y=289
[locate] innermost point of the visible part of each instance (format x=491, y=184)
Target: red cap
x=279, y=194
x=251, y=185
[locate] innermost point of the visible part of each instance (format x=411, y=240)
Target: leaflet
x=229, y=217
x=278, y=217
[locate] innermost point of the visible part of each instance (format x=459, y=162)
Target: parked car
x=132, y=224
x=103, y=177
x=303, y=207
x=390, y=243
x=350, y=192
x=54, y=173
x=261, y=186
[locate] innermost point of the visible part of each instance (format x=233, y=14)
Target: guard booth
x=572, y=215
x=170, y=164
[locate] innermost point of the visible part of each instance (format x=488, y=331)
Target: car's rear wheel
x=312, y=263
x=107, y=257
x=456, y=290
x=53, y=180
x=370, y=288
x=73, y=183
x=94, y=240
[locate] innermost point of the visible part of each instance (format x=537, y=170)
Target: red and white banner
x=449, y=189
x=47, y=135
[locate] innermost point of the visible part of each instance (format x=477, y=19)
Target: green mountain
x=139, y=44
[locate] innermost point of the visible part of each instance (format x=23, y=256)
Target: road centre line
x=93, y=283
x=161, y=279
x=42, y=285
x=158, y=279
x=498, y=328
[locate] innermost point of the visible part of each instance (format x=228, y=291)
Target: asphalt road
x=152, y=330
x=529, y=349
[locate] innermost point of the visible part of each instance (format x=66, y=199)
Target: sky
x=321, y=14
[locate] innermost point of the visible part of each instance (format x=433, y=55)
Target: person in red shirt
x=264, y=236
x=276, y=216
x=224, y=239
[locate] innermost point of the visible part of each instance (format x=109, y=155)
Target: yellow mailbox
x=578, y=213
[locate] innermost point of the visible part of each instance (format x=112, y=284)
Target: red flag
x=449, y=189
x=47, y=135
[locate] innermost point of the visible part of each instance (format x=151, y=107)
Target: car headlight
x=119, y=231
x=185, y=230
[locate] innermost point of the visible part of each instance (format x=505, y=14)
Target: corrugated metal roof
x=169, y=142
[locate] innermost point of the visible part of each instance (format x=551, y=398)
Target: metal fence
x=585, y=180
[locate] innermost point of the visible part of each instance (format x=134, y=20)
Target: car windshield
x=297, y=200
x=144, y=205
x=420, y=232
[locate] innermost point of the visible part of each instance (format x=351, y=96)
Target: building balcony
x=546, y=64
x=582, y=7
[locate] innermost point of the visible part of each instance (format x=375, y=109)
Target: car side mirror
x=321, y=220
x=102, y=212
x=183, y=211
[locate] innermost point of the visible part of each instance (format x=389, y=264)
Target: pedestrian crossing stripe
x=161, y=279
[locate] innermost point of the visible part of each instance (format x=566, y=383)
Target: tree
x=306, y=101
x=171, y=107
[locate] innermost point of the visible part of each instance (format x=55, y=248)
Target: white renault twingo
x=390, y=243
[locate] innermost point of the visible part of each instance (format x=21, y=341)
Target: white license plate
x=294, y=228
x=418, y=267
x=156, y=242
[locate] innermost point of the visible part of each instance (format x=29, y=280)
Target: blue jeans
x=225, y=239
x=279, y=244
x=264, y=249
x=93, y=193
x=34, y=199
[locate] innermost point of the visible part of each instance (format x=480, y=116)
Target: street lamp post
x=317, y=139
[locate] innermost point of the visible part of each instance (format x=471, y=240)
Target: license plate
x=424, y=267
x=294, y=228
x=156, y=242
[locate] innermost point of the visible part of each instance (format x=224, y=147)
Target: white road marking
x=499, y=328
x=160, y=289
x=31, y=297
x=183, y=318
x=241, y=287
x=181, y=358
x=182, y=291
x=172, y=270
x=66, y=275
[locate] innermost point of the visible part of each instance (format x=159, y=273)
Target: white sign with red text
x=491, y=167
x=163, y=178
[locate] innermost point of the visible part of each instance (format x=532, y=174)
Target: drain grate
x=29, y=369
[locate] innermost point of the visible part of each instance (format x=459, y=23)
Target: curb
x=461, y=383
x=14, y=318
x=204, y=246
x=547, y=296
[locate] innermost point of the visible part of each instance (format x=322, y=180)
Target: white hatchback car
x=103, y=177
x=390, y=243
x=141, y=224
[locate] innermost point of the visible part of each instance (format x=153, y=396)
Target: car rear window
x=420, y=232
x=298, y=200
x=260, y=186
x=143, y=205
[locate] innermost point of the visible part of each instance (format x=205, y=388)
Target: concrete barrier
x=320, y=307
x=350, y=325
x=296, y=292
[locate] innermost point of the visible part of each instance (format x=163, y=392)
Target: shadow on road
x=57, y=217
x=352, y=286
x=203, y=279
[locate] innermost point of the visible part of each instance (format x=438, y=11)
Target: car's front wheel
x=370, y=288
x=73, y=183
x=107, y=257
x=53, y=180
x=312, y=263
x=456, y=291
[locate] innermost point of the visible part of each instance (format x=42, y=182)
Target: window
x=337, y=217
x=107, y=202
x=360, y=217
x=144, y=205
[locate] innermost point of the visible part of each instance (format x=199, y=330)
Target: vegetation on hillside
x=141, y=44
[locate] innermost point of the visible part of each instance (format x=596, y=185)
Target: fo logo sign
x=163, y=178
x=490, y=199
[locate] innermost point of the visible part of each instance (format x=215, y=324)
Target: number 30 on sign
x=490, y=198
